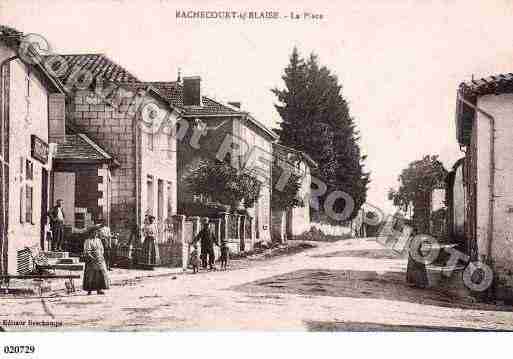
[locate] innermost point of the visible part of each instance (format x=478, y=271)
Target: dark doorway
x=44, y=205
x=4, y=165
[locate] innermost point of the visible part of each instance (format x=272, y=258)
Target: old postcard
x=280, y=166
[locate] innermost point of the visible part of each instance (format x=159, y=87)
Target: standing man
x=57, y=225
x=207, y=238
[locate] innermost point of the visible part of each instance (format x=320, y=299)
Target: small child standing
x=225, y=254
x=194, y=260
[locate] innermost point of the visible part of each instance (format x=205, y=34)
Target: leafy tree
x=220, y=182
x=316, y=120
x=418, y=178
x=287, y=196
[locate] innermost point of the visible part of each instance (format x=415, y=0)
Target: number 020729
x=19, y=349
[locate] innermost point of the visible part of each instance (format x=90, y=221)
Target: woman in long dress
x=150, y=250
x=95, y=272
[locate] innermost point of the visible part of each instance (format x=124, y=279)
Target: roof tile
x=80, y=147
x=494, y=84
x=98, y=65
x=173, y=91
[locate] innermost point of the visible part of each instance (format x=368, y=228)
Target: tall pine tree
x=315, y=119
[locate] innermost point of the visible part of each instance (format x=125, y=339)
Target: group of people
x=207, y=239
x=98, y=254
x=100, y=245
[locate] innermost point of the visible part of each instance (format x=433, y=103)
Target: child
x=225, y=254
x=195, y=259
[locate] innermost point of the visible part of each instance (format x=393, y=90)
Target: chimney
x=56, y=117
x=235, y=104
x=192, y=91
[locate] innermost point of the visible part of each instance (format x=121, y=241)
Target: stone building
x=286, y=224
x=135, y=161
x=26, y=108
x=212, y=129
x=485, y=132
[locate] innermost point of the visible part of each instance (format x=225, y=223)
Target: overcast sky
x=399, y=62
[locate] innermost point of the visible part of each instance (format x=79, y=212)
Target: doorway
x=44, y=206
x=4, y=166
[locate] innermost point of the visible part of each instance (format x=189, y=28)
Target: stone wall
x=119, y=132
x=113, y=130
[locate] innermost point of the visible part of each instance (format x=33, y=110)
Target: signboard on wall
x=39, y=149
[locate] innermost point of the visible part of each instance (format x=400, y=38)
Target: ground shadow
x=336, y=326
x=363, y=253
x=358, y=284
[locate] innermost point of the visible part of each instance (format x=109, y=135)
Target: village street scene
x=174, y=175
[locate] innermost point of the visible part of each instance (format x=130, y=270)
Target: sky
x=399, y=62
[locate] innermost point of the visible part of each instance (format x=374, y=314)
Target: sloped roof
x=80, y=147
x=173, y=91
x=6, y=31
x=494, y=84
x=97, y=65
x=470, y=91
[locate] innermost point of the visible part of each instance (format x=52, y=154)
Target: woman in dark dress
x=150, y=250
x=95, y=272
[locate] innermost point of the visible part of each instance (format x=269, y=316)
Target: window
x=149, y=195
x=169, y=200
x=160, y=200
x=29, y=170
x=22, y=213
x=29, y=195
x=22, y=190
x=150, y=139
x=28, y=204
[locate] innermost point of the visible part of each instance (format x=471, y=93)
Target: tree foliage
x=222, y=183
x=316, y=120
x=419, y=177
x=285, y=196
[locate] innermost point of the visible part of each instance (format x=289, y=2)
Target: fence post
x=217, y=222
x=224, y=226
x=195, y=226
x=179, y=224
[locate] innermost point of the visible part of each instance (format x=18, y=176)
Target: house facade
x=214, y=130
x=485, y=132
x=26, y=107
x=291, y=222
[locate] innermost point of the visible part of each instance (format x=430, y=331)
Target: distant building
x=212, y=129
x=294, y=221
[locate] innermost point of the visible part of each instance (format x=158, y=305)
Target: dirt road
x=346, y=285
